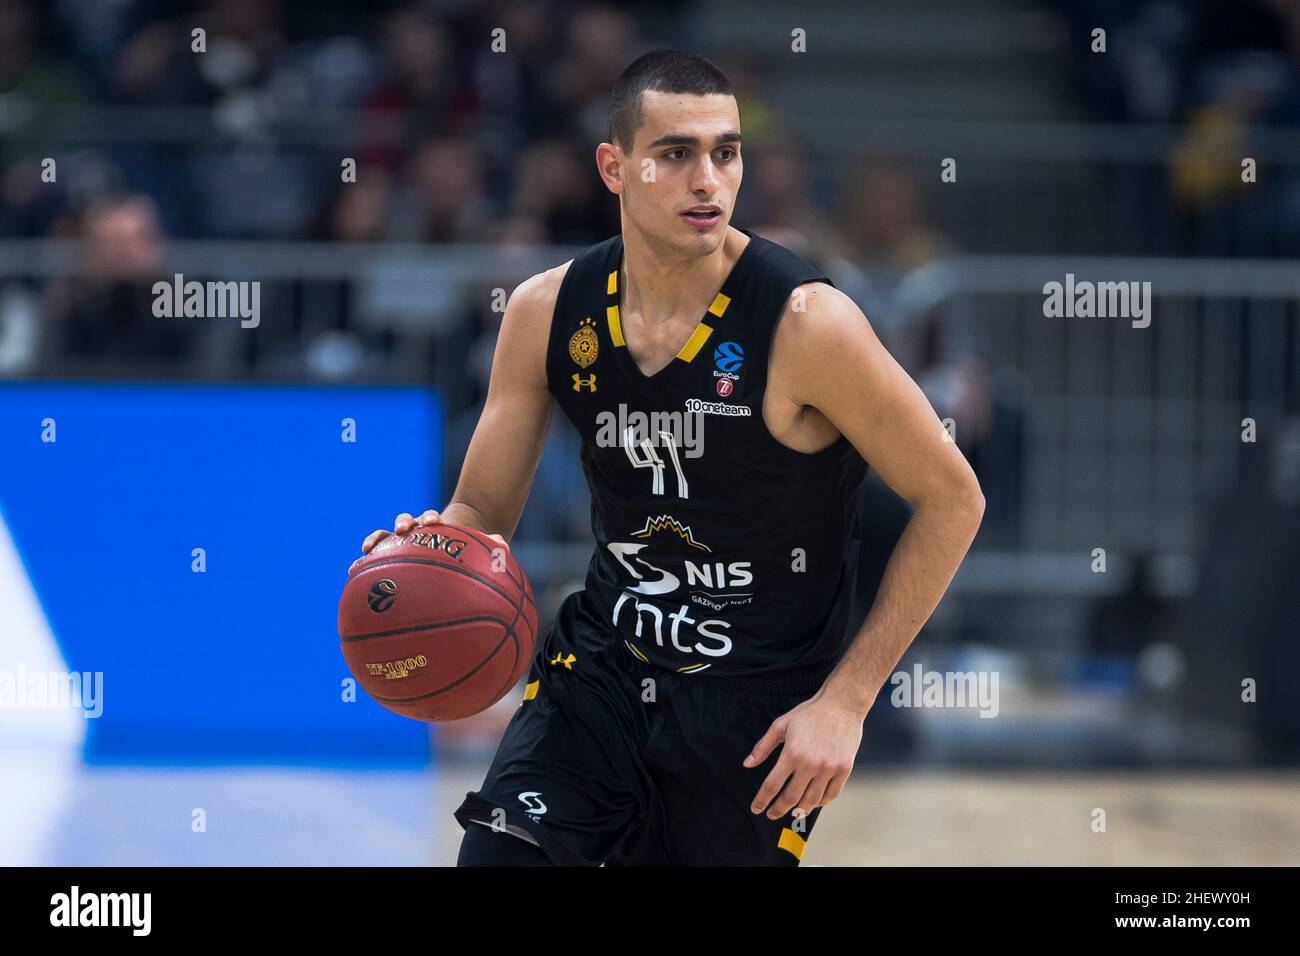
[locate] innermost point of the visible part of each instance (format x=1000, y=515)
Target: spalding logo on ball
x=437, y=624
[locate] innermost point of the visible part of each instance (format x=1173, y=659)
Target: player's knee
x=483, y=846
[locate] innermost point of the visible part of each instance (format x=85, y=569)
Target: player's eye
x=730, y=153
x=669, y=154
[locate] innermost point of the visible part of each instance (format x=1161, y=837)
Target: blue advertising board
x=190, y=543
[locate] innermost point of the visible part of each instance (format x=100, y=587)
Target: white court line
x=40, y=747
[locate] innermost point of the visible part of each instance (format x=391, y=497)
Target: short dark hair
x=665, y=71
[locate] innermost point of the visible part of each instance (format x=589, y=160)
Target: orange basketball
x=438, y=623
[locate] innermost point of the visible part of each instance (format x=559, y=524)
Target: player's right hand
x=405, y=522
x=401, y=525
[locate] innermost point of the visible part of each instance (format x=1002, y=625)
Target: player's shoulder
x=522, y=343
x=538, y=297
x=816, y=310
x=818, y=303
x=545, y=289
x=538, y=293
x=809, y=298
x=820, y=326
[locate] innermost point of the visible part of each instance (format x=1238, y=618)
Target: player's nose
x=704, y=183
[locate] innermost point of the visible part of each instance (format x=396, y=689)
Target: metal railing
x=1129, y=433
x=1125, y=434
x=1022, y=185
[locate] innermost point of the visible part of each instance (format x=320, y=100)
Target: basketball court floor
x=58, y=811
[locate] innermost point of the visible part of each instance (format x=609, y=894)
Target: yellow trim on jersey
x=530, y=690
x=615, y=327
x=792, y=842
x=695, y=342
x=720, y=303
x=636, y=650
x=691, y=667
x=612, y=285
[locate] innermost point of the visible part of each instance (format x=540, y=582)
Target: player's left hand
x=820, y=740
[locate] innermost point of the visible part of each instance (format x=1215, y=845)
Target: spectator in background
x=1239, y=622
x=250, y=78
x=106, y=314
x=555, y=184
x=515, y=95
x=25, y=74
x=1243, y=82
x=599, y=43
x=361, y=210
x=933, y=336
x=243, y=42
x=780, y=195
x=885, y=218
x=444, y=198
x=886, y=222
x=1123, y=624
x=424, y=90
x=1224, y=69
x=761, y=120
x=29, y=80
x=1239, y=68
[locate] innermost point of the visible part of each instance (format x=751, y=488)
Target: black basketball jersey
x=718, y=549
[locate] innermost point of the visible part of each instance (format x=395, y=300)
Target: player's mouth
x=703, y=216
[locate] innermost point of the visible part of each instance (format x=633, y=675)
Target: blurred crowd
x=1167, y=60
x=456, y=140
x=1228, y=73
x=162, y=134
x=453, y=142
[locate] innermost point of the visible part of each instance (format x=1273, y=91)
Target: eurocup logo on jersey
x=728, y=357
x=708, y=582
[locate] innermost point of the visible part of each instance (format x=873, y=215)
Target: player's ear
x=609, y=163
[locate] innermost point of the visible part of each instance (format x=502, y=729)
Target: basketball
x=437, y=624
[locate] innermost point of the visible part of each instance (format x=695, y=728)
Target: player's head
x=674, y=143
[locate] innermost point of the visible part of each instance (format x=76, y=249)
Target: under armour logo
x=566, y=661
x=382, y=595
x=579, y=383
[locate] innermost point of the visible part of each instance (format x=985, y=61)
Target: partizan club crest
x=584, y=344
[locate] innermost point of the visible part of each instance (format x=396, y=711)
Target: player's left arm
x=827, y=358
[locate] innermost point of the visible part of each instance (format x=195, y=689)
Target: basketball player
x=691, y=705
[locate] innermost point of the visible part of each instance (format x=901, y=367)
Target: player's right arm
x=508, y=440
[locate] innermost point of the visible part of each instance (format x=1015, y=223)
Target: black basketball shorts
x=612, y=760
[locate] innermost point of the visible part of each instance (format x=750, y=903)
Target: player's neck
x=659, y=286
